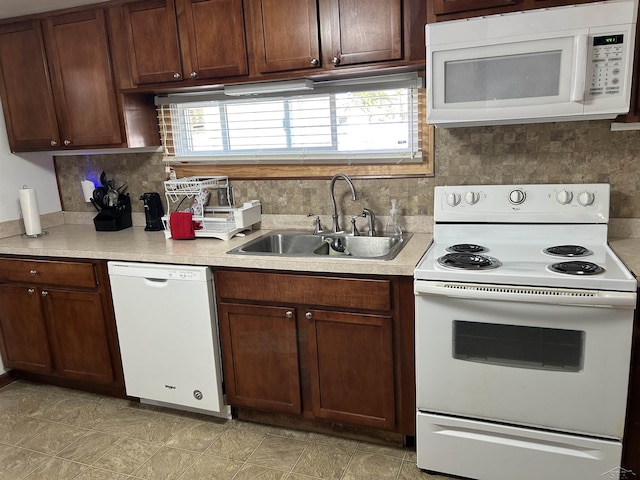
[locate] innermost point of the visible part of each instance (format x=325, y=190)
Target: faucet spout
x=334, y=209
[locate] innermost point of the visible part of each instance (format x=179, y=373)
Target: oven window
x=517, y=346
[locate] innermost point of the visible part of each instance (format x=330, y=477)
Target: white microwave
x=547, y=65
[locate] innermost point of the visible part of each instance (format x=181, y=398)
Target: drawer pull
x=31, y=291
x=44, y=293
x=33, y=272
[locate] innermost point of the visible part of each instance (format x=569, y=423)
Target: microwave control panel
x=607, y=65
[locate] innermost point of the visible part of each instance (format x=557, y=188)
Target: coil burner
x=568, y=251
x=576, y=268
x=469, y=261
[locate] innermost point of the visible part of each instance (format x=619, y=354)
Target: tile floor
x=51, y=433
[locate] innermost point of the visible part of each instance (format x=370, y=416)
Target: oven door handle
x=518, y=293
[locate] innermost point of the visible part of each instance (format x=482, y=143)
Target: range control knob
x=471, y=197
x=517, y=197
x=564, y=197
x=586, y=198
x=453, y=199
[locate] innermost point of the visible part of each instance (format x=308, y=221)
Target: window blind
x=374, y=120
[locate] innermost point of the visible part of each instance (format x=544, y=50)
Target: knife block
x=113, y=219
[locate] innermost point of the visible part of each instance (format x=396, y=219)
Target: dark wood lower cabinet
x=25, y=344
x=62, y=333
x=332, y=348
x=262, y=343
x=351, y=366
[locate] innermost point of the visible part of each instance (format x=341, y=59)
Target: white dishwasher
x=168, y=335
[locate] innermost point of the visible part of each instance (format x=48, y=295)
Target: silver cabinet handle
x=33, y=272
x=67, y=142
x=309, y=315
x=289, y=314
x=31, y=291
x=54, y=143
x=314, y=62
x=335, y=61
x=193, y=74
x=176, y=75
x=44, y=293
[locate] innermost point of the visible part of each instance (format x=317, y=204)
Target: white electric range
x=524, y=318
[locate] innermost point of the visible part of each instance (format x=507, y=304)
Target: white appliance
x=168, y=335
x=524, y=320
x=546, y=65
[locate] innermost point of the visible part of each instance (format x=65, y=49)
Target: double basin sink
x=304, y=244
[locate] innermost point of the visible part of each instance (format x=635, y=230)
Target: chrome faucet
x=372, y=221
x=335, y=227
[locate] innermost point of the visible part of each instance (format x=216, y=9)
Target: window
x=369, y=121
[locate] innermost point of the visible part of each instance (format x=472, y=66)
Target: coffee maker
x=153, y=211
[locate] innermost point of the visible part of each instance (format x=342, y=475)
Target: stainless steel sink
x=365, y=247
x=280, y=244
x=303, y=244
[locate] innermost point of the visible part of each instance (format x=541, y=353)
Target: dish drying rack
x=221, y=222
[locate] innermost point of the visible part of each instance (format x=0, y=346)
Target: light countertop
x=135, y=244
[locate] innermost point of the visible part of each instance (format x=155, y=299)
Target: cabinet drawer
x=334, y=292
x=60, y=273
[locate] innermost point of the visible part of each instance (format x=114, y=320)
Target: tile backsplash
x=571, y=152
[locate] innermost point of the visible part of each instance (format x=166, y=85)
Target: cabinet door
x=82, y=78
x=260, y=357
x=152, y=34
x=212, y=38
x=358, y=31
x=78, y=335
x=25, y=86
x=23, y=333
x=285, y=34
x=351, y=363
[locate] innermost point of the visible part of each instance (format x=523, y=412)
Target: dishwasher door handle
x=156, y=282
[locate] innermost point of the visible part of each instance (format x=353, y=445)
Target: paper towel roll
x=30, y=212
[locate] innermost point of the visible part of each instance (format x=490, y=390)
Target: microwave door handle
x=581, y=47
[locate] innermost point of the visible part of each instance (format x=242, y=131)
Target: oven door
x=551, y=358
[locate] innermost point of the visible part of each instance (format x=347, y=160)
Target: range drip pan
x=469, y=261
x=576, y=268
x=568, y=251
x=467, y=248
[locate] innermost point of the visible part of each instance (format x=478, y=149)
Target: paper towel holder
x=32, y=235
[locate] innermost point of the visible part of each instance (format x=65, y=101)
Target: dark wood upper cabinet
x=174, y=40
x=361, y=31
x=154, y=48
x=25, y=86
x=82, y=79
x=58, y=88
x=300, y=35
x=285, y=34
x=212, y=38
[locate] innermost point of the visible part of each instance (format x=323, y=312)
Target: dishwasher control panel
x=183, y=275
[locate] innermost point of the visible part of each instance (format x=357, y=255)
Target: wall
x=33, y=169
x=572, y=152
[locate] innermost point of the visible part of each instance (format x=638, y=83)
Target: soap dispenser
x=393, y=226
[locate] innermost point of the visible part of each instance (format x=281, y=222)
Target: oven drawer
x=486, y=451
